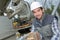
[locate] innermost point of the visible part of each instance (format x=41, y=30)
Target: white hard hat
x=35, y=5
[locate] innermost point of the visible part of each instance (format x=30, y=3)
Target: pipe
x=55, y=8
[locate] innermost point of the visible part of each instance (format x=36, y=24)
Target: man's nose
x=37, y=13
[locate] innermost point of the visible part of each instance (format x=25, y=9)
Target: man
x=45, y=24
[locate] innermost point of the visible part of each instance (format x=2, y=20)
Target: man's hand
x=33, y=36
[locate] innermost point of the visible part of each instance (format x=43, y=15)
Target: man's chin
x=39, y=18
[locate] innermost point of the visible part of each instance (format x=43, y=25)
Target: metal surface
x=6, y=28
x=21, y=9
x=55, y=8
x=3, y=5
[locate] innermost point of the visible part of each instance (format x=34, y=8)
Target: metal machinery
x=20, y=13
x=3, y=5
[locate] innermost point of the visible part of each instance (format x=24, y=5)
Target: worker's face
x=38, y=12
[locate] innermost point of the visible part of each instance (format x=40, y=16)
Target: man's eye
x=33, y=12
x=38, y=10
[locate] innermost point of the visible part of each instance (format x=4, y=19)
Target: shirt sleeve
x=32, y=28
x=55, y=26
x=55, y=30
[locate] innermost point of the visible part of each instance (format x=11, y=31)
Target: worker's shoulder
x=48, y=16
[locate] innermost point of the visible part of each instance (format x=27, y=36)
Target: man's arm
x=32, y=28
x=55, y=29
x=55, y=26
